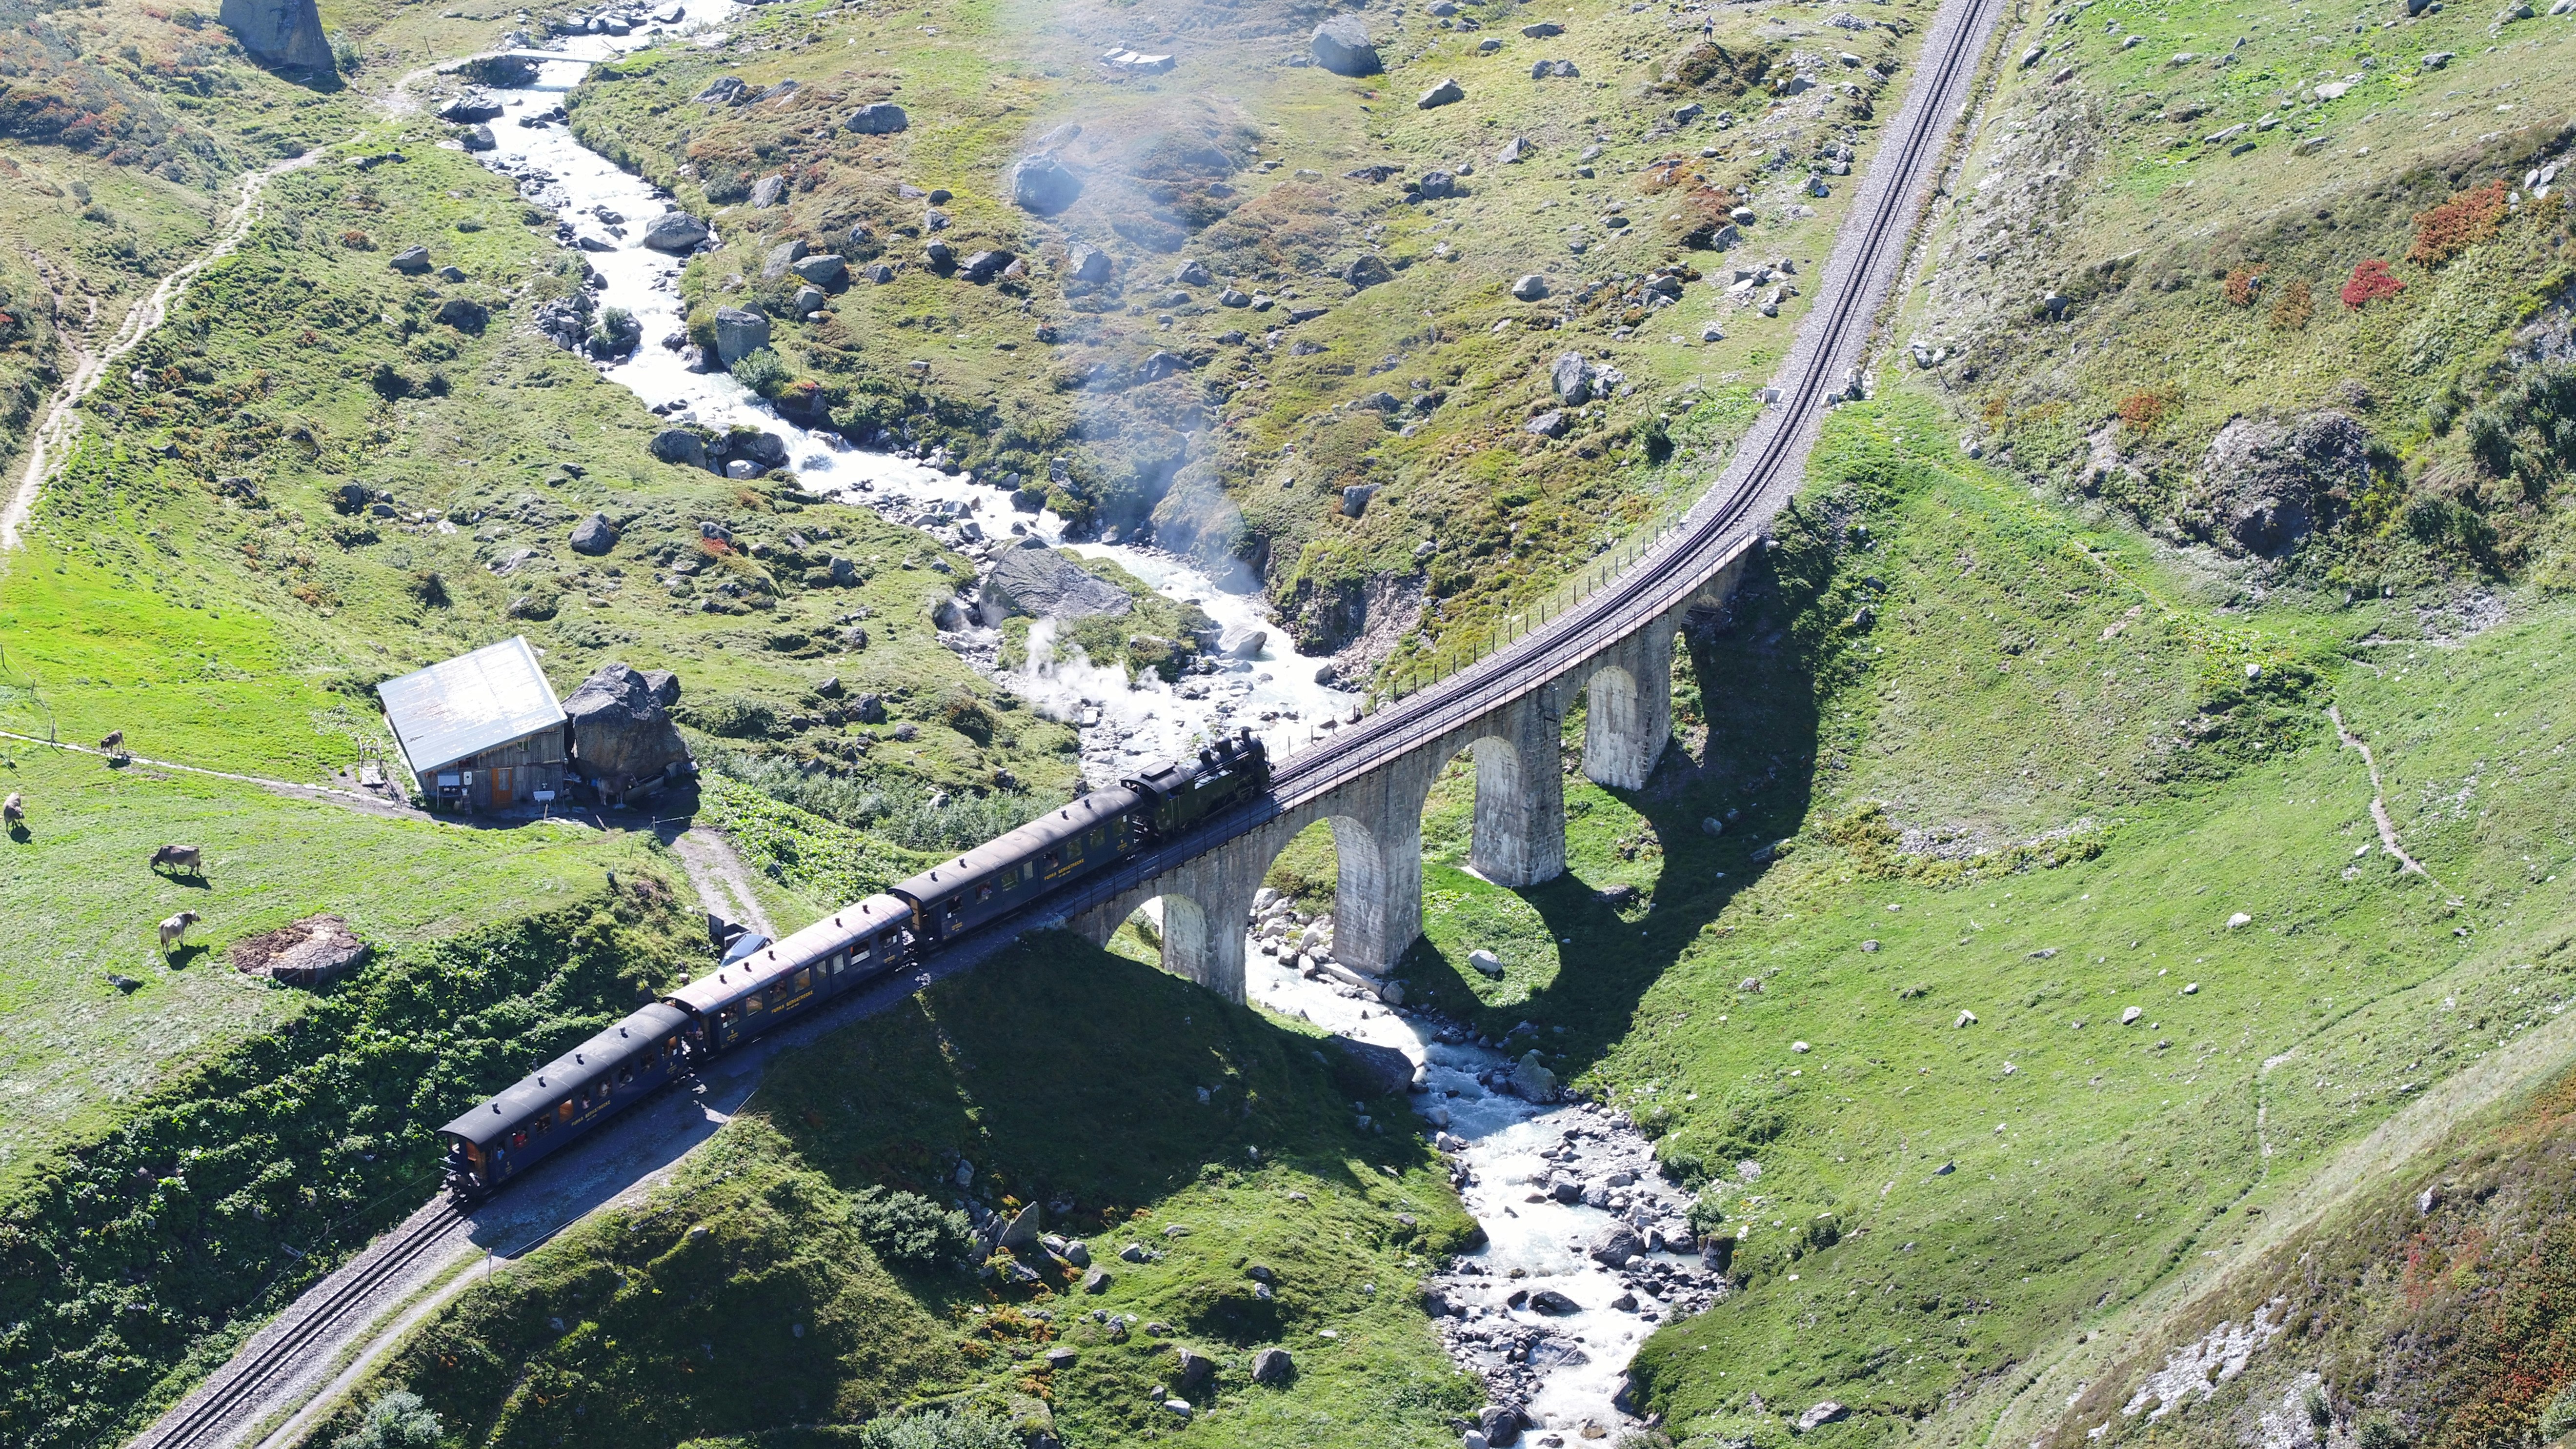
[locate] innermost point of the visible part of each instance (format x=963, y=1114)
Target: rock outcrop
x=2270, y=484
x=281, y=32
x=1043, y=584
x=1044, y=185
x=674, y=231
x=1342, y=46
x=622, y=735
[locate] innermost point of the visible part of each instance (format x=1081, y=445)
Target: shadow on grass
x=1760, y=695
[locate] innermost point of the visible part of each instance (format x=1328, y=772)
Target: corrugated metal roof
x=460, y=707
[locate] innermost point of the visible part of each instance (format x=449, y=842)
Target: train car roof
x=569, y=1073
x=738, y=978
x=988, y=859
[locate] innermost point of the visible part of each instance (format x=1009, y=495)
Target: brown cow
x=180, y=858
x=114, y=744
x=175, y=929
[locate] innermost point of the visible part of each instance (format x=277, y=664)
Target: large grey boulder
x=884, y=118
x=1043, y=584
x=281, y=32
x=782, y=256
x=1447, y=93
x=682, y=446
x=1614, y=1245
x=1044, y=185
x=2273, y=483
x=1367, y=271
x=827, y=270
x=594, y=535
x=1089, y=264
x=1572, y=379
x=768, y=191
x=674, y=231
x=1533, y=1081
x=622, y=736
x=739, y=333
x=470, y=108
x=410, y=261
x=1532, y=288
x=479, y=138
x=1342, y=46
x=1273, y=1366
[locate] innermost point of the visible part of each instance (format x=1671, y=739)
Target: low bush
x=909, y=1230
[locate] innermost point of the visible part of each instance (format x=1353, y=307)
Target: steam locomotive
x=761, y=984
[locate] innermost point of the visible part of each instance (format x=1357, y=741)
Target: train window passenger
x=518, y=1139
x=1051, y=862
x=544, y=1123
x=626, y=1076
x=859, y=952
x=983, y=892
x=804, y=979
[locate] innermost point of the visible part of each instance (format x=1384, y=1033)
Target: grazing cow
x=180, y=858
x=13, y=811
x=175, y=929
x=114, y=744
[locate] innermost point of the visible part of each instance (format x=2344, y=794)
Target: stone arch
x=1188, y=945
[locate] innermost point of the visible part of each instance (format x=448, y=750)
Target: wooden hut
x=482, y=731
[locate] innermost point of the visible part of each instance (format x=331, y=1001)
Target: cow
x=13, y=811
x=114, y=744
x=181, y=859
x=175, y=929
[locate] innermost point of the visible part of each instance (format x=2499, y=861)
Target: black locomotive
x=761, y=983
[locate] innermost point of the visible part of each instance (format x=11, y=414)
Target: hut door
x=501, y=784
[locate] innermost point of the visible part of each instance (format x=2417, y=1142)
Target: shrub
x=2242, y=286
x=734, y=716
x=939, y=1429
x=2143, y=410
x=966, y=714
x=762, y=370
x=2558, y=1420
x=2458, y=224
x=908, y=1229
x=2294, y=307
x=357, y=241
x=397, y=1421
x=2370, y=281
x=2380, y=1432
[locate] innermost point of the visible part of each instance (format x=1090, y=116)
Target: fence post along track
x=1502, y=693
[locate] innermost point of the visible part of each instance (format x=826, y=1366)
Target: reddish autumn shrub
x=2241, y=287
x=2143, y=410
x=2292, y=309
x=2371, y=280
x=2458, y=224
x=357, y=241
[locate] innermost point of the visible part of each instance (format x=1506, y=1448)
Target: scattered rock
x=1486, y=962
x=1341, y=45
x=826, y=270
x=881, y=118
x=1614, y=1245
x=1571, y=377
x=1551, y=424
x=1367, y=271
x=1273, y=1367
x=479, y=138
x=410, y=261
x=1098, y=1280
x=1531, y=1081
x=1044, y=185
x=674, y=231
x=1531, y=288
x=767, y=192
x=471, y=108
x=1541, y=30
x=1447, y=93
x=1554, y=69
x=1822, y=1414
x=464, y=314
x=1551, y=1302
x=1514, y=152
x=682, y=446
x=594, y=536
x=739, y=333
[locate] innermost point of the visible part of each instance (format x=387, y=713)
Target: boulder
x=1273, y=1367
x=1365, y=1069
x=410, y=261
x=1438, y=185
x=1531, y=1081
x=1368, y=271
x=1088, y=264
x=984, y=266
x=1614, y=1245
x=1515, y=151
x=763, y=450
x=1023, y=1230
x=782, y=256
x=1550, y=424
x=462, y=313
x=1044, y=185
x=682, y=446
x=594, y=535
x=869, y=709
x=1822, y=1414
x=1447, y=93
x=1341, y=45
x=1553, y=1303
x=2273, y=483
x=1355, y=499
x=808, y=300
x=479, y=138
x=471, y=108
x=281, y=32
x=674, y=231
x=739, y=333
x=1501, y=1424
x=1098, y=1280
x=622, y=735
x=1192, y=1371
x=883, y=118
x=827, y=270
x=1041, y=583
x=1532, y=288
x=665, y=687
x=1571, y=377
x=1193, y=274
x=1486, y=962
x=1558, y=69
x=768, y=191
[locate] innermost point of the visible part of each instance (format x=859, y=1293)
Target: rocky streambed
x=1587, y=1246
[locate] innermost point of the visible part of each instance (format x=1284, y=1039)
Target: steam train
x=761, y=984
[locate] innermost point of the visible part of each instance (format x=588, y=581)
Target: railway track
x=239, y=1391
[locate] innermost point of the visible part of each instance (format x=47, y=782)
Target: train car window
x=544, y=1124
x=1051, y=862
x=626, y=1076
x=859, y=952
x=983, y=892
x=751, y=1003
x=804, y=979
x=563, y=1109
x=518, y=1140
x=725, y=1017
x=1099, y=835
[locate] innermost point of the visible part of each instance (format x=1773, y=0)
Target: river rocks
x=827, y=270
x=622, y=735
x=739, y=333
x=1531, y=1081
x=1272, y=1367
x=883, y=118
x=1447, y=93
x=471, y=108
x=768, y=191
x=674, y=231
x=682, y=446
x=1614, y=1245
x=2272, y=483
x=1368, y=271
x=1044, y=185
x=594, y=535
x=1500, y=1424
x=1041, y=583
x=1552, y=1303
x=479, y=138
x=1342, y=45
x=1365, y=1069
x=1532, y=288
x=281, y=32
